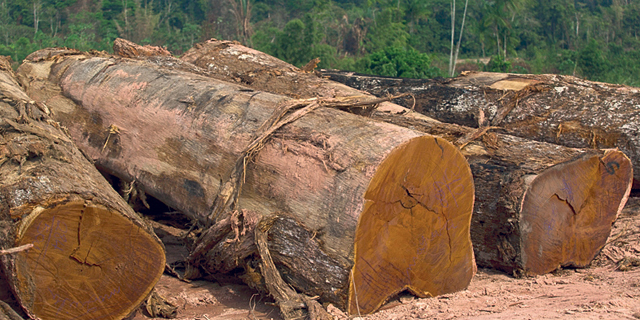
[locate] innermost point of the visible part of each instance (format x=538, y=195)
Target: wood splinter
x=16, y=249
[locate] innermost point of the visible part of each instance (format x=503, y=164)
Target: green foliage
x=592, y=62
x=289, y=44
x=598, y=40
x=498, y=64
x=388, y=31
x=398, y=62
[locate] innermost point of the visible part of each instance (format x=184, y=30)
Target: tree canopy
x=595, y=39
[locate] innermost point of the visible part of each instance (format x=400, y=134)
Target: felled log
x=355, y=210
x=508, y=172
x=539, y=206
x=552, y=108
x=71, y=246
x=231, y=61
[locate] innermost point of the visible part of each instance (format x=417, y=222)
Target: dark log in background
x=503, y=166
x=179, y=134
x=92, y=256
x=551, y=108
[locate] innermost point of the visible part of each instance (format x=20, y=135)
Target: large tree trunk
x=233, y=62
x=538, y=205
x=552, y=108
x=508, y=172
x=92, y=256
x=355, y=210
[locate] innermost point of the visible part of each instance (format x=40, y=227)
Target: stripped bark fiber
x=319, y=178
x=90, y=255
x=551, y=108
x=500, y=163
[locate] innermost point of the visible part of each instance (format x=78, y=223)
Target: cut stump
x=92, y=257
x=340, y=193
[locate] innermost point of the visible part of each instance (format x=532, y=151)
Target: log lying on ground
x=511, y=174
x=233, y=62
x=339, y=195
x=92, y=257
x=552, y=108
x=538, y=206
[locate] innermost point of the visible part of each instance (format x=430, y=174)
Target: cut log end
x=87, y=262
x=569, y=209
x=413, y=233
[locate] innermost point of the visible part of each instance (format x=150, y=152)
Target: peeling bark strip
x=538, y=205
x=180, y=134
x=500, y=164
x=551, y=108
x=91, y=256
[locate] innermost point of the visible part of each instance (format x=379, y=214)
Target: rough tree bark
x=92, y=256
x=337, y=194
x=233, y=62
x=500, y=230
x=552, y=108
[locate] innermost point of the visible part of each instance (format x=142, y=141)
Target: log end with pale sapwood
x=85, y=254
x=352, y=210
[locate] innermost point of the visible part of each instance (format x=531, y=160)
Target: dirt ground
x=601, y=291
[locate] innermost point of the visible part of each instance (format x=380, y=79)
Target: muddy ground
x=602, y=291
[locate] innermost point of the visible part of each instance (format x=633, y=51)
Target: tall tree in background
x=415, y=10
x=453, y=33
x=145, y=21
x=498, y=15
x=241, y=10
x=452, y=66
x=37, y=6
x=5, y=22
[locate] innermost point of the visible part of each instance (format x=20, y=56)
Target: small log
x=506, y=223
x=551, y=108
x=71, y=247
x=341, y=193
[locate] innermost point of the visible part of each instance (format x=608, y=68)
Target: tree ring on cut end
x=87, y=262
x=568, y=210
x=413, y=232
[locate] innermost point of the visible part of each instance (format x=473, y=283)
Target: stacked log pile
x=347, y=204
x=290, y=191
x=87, y=254
x=511, y=230
x=552, y=108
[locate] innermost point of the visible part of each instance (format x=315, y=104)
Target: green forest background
x=594, y=39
